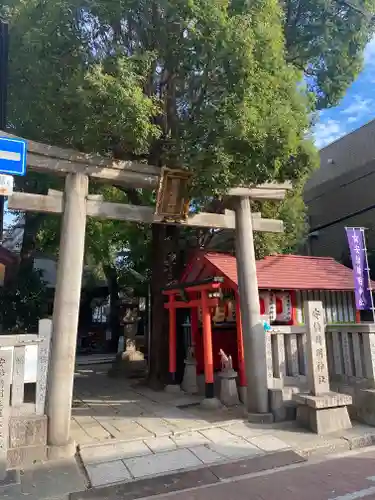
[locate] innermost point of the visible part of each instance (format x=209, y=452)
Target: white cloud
x=353, y=119
x=354, y=110
x=325, y=133
x=358, y=107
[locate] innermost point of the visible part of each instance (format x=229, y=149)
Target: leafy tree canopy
x=225, y=88
x=193, y=83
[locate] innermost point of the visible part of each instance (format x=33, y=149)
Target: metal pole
x=368, y=273
x=4, y=56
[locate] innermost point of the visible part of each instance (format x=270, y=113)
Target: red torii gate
x=193, y=295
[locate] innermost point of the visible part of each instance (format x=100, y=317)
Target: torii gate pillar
x=254, y=338
x=66, y=314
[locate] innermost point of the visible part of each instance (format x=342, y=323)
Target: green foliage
x=292, y=212
x=211, y=86
x=23, y=303
x=326, y=39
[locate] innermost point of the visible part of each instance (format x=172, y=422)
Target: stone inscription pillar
x=320, y=409
x=316, y=351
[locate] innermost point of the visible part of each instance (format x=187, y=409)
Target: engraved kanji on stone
x=316, y=314
x=319, y=353
x=319, y=340
x=317, y=327
x=320, y=366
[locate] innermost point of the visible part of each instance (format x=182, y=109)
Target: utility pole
x=4, y=51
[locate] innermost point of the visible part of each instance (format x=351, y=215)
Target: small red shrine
x=209, y=289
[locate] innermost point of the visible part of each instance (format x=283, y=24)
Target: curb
x=343, y=443
x=173, y=482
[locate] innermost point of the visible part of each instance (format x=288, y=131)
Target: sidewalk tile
x=269, y=443
x=162, y=462
x=155, y=426
x=113, y=451
x=244, y=430
x=235, y=448
x=131, y=430
x=188, y=439
x=159, y=444
x=217, y=435
x=206, y=455
x=108, y=473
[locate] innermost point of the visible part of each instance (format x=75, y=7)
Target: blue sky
x=356, y=108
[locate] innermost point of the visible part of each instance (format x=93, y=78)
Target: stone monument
x=189, y=382
x=228, y=384
x=320, y=410
x=130, y=362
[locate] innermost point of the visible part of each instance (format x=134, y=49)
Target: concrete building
x=342, y=193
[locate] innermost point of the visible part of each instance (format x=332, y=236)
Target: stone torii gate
x=75, y=204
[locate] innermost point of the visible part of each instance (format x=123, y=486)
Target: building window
x=100, y=311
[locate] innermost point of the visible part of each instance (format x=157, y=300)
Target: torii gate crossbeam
x=75, y=205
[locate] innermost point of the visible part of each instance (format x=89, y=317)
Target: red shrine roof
x=284, y=272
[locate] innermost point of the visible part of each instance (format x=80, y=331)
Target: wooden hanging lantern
x=172, y=201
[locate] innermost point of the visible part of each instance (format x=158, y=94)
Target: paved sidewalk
x=48, y=481
x=126, y=432
x=126, y=461
x=279, y=476
x=106, y=409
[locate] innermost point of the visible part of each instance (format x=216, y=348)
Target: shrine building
x=208, y=292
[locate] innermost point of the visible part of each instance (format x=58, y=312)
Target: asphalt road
x=348, y=477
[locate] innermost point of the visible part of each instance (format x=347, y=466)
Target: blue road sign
x=13, y=156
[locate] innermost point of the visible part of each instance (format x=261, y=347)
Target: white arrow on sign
x=358, y=494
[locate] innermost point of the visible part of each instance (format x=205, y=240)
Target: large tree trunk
x=167, y=264
x=114, y=312
x=158, y=355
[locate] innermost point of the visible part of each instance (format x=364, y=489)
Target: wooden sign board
x=172, y=201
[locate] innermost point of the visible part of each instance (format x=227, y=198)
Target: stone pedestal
x=62, y=452
x=27, y=440
x=131, y=363
x=189, y=382
x=228, y=388
x=323, y=414
x=173, y=389
x=211, y=404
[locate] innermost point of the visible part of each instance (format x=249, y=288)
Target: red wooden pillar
x=240, y=350
x=358, y=316
x=293, y=298
x=172, y=339
x=207, y=346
